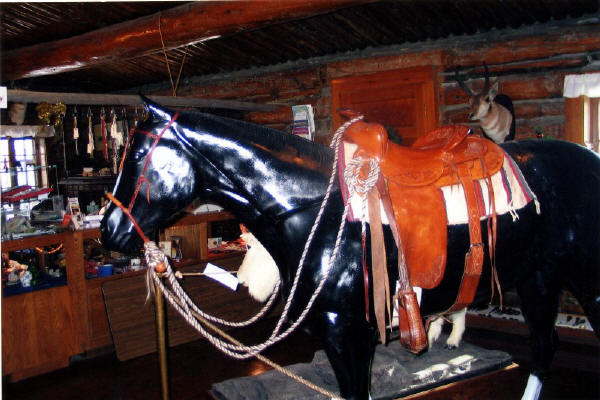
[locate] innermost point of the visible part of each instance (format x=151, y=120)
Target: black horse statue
x=274, y=183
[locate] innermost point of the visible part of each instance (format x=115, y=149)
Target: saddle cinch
x=410, y=191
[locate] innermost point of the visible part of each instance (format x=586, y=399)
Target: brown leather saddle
x=413, y=177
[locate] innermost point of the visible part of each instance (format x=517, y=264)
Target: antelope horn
x=486, y=87
x=462, y=84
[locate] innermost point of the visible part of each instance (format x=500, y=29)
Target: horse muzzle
x=116, y=237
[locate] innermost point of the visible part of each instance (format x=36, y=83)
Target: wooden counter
x=43, y=329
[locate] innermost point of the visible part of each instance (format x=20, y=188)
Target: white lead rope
x=187, y=308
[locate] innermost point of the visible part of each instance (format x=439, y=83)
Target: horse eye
x=138, y=154
x=487, y=99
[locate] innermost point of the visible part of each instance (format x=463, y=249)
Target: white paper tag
x=3, y=97
x=222, y=276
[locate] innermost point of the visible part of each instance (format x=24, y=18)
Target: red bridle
x=142, y=178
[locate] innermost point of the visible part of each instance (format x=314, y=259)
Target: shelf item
x=25, y=194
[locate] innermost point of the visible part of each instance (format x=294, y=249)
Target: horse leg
x=458, y=328
x=586, y=289
x=350, y=347
x=435, y=330
x=539, y=304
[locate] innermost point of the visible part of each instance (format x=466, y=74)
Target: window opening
x=5, y=176
x=22, y=163
x=25, y=161
x=582, y=109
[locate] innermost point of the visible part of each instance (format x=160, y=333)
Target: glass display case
x=60, y=305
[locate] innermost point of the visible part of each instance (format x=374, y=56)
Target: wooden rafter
x=25, y=96
x=180, y=26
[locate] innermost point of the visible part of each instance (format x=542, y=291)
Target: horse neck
x=262, y=173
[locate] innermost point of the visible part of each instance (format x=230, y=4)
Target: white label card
x=222, y=276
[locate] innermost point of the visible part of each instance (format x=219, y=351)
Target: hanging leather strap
x=474, y=257
x=381, y=285
x=410, y=323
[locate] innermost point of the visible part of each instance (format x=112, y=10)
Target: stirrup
x=410, y=323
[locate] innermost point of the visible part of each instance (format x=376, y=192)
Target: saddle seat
x=414, y=176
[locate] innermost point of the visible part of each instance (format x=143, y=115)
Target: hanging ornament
x=90, y=146
x=104, y=134
x=116, y=134
x=75, y=131
x=125, y=124
x=116, y=140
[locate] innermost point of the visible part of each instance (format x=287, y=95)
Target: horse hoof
x=450, y=347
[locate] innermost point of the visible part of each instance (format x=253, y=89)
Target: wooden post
x=161, y=337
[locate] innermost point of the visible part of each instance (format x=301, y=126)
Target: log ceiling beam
x=26, y=96
x=180, y=26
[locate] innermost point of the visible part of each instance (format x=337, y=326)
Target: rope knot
x=361, y=175
x=155, y=258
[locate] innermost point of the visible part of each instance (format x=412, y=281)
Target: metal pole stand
x=161, y=337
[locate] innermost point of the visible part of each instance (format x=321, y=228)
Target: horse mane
x=270, y=138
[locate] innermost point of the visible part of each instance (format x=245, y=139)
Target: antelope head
x=479, y=103
x=494, y=118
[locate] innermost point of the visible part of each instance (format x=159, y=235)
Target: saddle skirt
x=422, y=209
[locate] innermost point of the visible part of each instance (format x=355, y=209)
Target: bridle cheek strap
x=142, y=179
x=128, y=214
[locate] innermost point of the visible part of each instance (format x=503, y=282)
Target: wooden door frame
x=423, y=74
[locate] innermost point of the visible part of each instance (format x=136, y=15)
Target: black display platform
x=395, y=373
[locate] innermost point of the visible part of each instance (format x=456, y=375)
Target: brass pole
x=161, y=337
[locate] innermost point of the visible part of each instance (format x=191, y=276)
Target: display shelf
x=89, y=180
x=44, y=282
x=29, y=167
x=517, y=327
x=49, y=317
x=79, y=306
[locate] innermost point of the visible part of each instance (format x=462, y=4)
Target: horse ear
x=156, y=111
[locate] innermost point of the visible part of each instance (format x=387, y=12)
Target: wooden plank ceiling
x=31, y=32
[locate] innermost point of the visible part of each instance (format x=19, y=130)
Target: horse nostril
x=471, y=115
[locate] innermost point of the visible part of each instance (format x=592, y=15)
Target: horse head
x=156, y=181
x=261, y=175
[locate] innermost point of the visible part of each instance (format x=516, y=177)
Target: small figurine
x=25, y=278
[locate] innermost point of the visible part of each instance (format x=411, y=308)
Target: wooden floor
x=194, y=366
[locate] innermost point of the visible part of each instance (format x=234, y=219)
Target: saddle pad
x=511, y=192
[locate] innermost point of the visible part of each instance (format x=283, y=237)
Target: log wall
x=530, y=65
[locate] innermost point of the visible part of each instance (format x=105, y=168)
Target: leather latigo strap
x=474, y=257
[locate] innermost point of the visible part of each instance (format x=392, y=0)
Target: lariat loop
x=354, y=172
